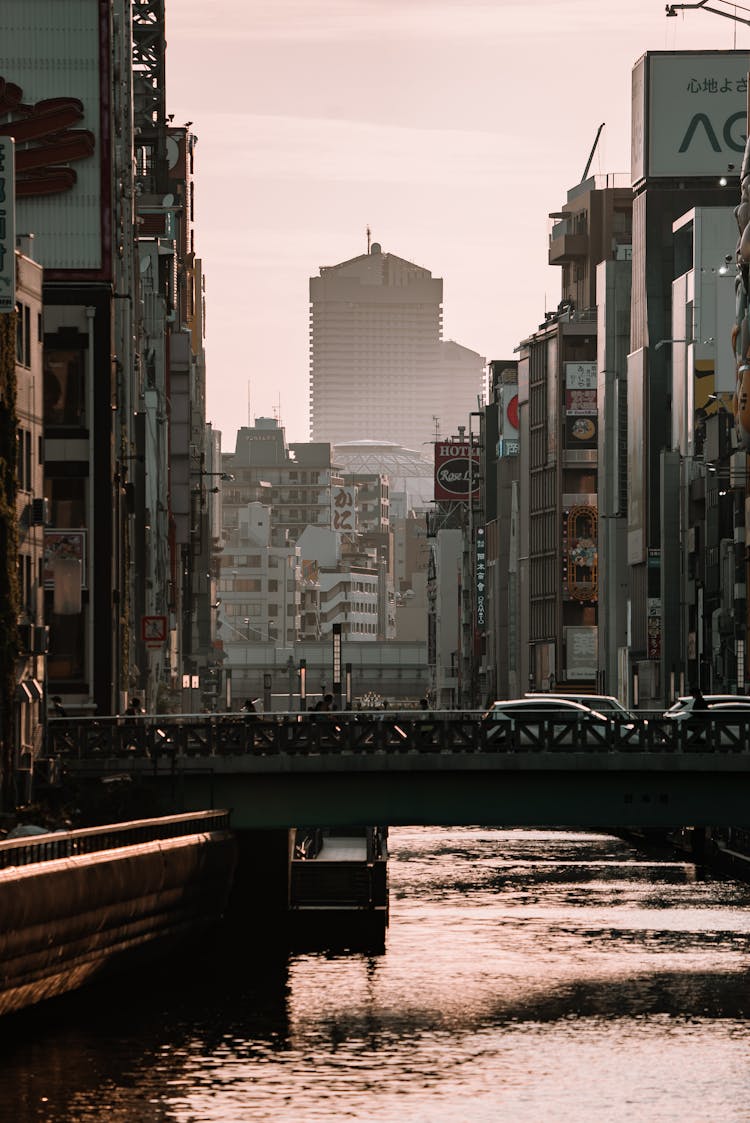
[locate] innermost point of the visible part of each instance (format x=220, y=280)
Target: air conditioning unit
x=40, y=512
x=40, y=639
x=25, y=639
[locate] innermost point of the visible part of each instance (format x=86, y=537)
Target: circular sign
x=453, y=476
x=512, y=411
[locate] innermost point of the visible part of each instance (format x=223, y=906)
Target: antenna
x=436, y=421
x=249, y=414
x=369, y=235
x=593, y=150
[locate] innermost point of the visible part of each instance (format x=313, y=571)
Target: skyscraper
x=379, y=369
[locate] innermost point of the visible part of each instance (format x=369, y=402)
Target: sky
x=450, y=127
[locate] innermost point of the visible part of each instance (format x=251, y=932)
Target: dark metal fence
x=30, y=849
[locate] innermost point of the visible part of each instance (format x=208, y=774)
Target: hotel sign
x=456, y=471
x=7, y=226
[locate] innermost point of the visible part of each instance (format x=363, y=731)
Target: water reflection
x=527, y=975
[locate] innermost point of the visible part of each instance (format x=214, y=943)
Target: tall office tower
x=378, y=367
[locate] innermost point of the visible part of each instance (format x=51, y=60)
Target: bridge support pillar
x=260, y=895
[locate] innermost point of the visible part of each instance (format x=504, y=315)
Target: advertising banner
x=689, y=114
x=508, y=443
x=581, y=652
x=581, y=431
x=55, y=101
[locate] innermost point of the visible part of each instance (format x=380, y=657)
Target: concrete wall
x=65, y=921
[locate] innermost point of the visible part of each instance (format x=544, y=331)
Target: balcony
x=565, y=247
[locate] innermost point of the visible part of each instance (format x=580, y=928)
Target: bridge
x=449, y=768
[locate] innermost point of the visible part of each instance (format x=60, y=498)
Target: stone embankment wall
x=64, y=921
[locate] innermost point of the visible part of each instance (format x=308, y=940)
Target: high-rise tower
x=378, y=367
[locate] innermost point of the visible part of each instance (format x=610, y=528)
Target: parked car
x=605, y=704
x=548, y=721
x=684, y=708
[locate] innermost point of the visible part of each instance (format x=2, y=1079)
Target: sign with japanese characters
x=689, y=114
x=580, y=376
x=7, y=227
x=481, y=560
x=344, y=514
x=581, y=652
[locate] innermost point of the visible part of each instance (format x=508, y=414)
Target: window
x=63, y=387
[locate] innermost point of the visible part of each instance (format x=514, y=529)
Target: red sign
x=154, y=630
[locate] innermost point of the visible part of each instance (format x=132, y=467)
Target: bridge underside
x=608, y=792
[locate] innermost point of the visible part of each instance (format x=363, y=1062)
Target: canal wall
x=65, y=921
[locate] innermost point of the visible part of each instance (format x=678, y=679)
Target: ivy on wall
x=9, y=595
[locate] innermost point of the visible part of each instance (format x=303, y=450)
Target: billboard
x=55, y=102
x=689, y=114
x=456, y=471
x=7, y=227
x=508, y=443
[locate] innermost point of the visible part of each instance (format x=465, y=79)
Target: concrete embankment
x=64, y=921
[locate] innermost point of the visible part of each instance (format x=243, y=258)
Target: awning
x=23, y=694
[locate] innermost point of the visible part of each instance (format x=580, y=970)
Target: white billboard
x=7, y=227
x=55, y=103
x=689, y=114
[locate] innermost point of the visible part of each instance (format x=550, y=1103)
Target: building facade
x=378, y=365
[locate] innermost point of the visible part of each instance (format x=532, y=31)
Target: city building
x=31, y=515
x=379, y=368
x=688, y=142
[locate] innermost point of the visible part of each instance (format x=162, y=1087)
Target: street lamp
x=672, y=9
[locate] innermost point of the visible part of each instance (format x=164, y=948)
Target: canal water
x=528, y=976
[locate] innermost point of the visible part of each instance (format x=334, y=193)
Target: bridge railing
x=172, y=737
x=29, y=849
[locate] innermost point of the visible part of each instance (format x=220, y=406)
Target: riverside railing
x=29, y=849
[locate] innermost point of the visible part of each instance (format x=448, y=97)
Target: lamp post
x=672, y=10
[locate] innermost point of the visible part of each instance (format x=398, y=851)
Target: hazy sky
x=450, y=128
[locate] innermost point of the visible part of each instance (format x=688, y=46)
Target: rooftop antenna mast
x=369, y=235
x=593, y=150
x=249, y=414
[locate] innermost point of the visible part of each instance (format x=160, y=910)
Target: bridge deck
x=347, y=770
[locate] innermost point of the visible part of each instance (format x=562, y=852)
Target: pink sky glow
x=451, y=129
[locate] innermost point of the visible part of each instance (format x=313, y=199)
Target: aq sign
x=689, y=113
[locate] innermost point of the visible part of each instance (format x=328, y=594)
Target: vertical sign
x=480, y=582
x=7, y=226
x=336, y=630
x=344, y=500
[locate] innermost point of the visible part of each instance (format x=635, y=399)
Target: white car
x=548, y=722
x=684, y=708
x=605, y=704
